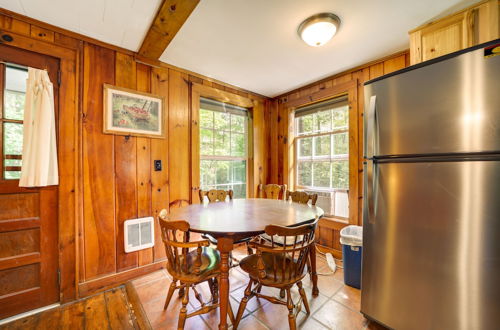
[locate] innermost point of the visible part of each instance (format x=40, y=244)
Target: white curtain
x=39, y=163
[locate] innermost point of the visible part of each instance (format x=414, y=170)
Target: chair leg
x=198, y=296
x=181, y=291
x=182, y=316
x=282, y=293
x=309, y=269
x=303, y=296
x=214, y=289
x=291, y=315
x=171, y=290
x=249, y=249
x=243, y=304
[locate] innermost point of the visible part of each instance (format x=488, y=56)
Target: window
x=322, y=153
x=223, y=147
x=11, y=119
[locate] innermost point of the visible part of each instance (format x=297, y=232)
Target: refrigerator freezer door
x=451, y=106
x=431, y=252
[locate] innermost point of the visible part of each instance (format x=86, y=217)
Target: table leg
x=225, y=246
x=315, y=290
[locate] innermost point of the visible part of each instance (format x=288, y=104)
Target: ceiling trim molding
x=168, y=21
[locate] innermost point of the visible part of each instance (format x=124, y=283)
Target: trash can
x=351, y=238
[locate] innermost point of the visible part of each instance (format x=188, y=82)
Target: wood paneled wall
x=112, y=177
x=329, y=229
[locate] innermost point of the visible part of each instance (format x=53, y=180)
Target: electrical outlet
x=157, y=163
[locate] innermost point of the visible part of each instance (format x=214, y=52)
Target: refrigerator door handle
x=370, y=177
x=370, y=125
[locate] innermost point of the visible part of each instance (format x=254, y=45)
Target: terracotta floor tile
x=314, y=302
x=237, y=279
x=212, y=318
x=309, y=323
x=349, y=297
x=327, y=284
x=251, y=323
x=276, y=317
x=336, y=316
x=253, y=304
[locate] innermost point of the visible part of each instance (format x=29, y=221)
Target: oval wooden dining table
x=242, y=218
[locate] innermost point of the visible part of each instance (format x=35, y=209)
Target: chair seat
x=272, y=262
x=210, y=264
x=279, y=240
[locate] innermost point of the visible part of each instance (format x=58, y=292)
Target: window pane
x=321, y=174
x=206, y=118
x=322, y=145
x=239, y=172
x=304, y=174
x=240, y=191
x=13, y=139
x=305, y=147
x=14, y=105
x=9, y=175
x=341, y=117
x=323, y=121
x=221, y=120
x=207, y=174
x=223, y=172
x=222, y=144
x=206, y=141
x=238, y=145
x=305, y=124
x=340, y=144
x=238, y=123
x=340, y=174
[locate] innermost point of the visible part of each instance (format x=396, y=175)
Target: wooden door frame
x=350, y=89
x=197, y=91
x=69, y=205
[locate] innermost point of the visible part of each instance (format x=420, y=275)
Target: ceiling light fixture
x=318, y=29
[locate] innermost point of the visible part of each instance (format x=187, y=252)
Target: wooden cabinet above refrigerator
x=471, y=26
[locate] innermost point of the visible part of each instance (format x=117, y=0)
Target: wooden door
x=28, y=217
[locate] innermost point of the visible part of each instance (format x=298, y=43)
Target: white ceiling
x=254, y=44
x=122, y=23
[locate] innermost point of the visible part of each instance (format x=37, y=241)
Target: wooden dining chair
x=301, y=197
x=189, y=263
x=279, y=266
x=272, y=191
x=215, y=195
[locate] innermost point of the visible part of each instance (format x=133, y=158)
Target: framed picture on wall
x=129, y=112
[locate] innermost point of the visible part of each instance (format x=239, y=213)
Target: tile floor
x=336, y=307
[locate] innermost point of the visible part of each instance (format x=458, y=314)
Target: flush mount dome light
x=318, y=29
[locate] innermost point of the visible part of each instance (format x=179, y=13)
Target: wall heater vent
x=139, y=234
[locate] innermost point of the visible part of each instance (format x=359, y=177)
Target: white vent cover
x=139, y=234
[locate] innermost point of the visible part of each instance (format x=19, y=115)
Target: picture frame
x=132, y=113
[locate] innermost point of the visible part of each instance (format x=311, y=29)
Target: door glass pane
x=14, y=93
x=321, y=174
x=13, y=139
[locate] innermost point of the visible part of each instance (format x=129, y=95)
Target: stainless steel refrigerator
x=431, y=215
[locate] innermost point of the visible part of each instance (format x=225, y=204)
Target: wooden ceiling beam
x=168, y=21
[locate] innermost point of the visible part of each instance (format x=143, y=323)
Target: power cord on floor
x=330, y=260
